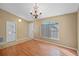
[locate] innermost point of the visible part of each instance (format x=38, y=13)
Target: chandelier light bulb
x=35, y=12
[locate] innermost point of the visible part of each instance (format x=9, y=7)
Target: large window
x=50, y=30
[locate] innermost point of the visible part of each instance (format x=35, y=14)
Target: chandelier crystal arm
x=35, y=12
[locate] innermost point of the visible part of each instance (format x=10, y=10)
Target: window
x=50, y=30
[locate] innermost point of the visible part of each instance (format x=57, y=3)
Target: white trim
x=21, y=41
x=57, y=44
x=5, y=45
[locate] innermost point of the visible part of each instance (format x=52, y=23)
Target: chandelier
x=35, y=12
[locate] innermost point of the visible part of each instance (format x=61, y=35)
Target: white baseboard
x=57, y=44
x=24, y=40
x=5, y=45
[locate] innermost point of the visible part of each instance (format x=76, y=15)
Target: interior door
x=10, y=31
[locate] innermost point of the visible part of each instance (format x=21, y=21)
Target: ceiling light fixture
x=35, y=12
x=19, y=20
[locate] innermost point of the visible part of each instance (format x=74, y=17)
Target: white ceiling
x=47, y=9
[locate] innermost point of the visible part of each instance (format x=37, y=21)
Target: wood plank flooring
x=36, y=48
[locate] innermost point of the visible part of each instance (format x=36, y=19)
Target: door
x=10, y=31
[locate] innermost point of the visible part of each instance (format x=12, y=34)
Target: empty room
x=39, y=29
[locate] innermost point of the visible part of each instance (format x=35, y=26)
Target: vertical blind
x=50, y=30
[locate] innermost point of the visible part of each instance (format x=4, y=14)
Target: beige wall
x=37, y=28
x=67, y=29
x=21, y=27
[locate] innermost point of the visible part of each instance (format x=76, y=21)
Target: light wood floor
x=37, y=48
